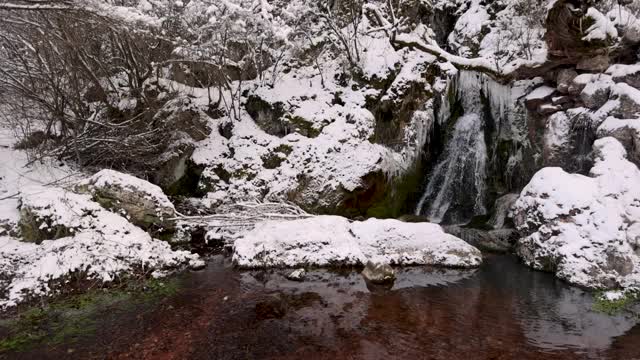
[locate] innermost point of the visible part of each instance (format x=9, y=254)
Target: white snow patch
x=332, y=240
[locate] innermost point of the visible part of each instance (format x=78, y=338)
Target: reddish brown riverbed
x=500, y=311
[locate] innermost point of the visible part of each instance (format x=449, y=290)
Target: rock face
x=579, y=226
x=144, y=203
x=499, y=240
x=334, y=241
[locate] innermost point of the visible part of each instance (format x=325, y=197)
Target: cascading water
x=457, y=187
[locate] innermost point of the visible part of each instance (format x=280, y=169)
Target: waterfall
x=456, y=189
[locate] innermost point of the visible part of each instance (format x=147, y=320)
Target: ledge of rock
x=335, y=241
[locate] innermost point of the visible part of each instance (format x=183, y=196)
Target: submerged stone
x=379, y=273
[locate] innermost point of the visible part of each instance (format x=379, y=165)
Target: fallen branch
x=517, y=70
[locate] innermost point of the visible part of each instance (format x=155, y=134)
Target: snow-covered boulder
x=53, y=213
x=334, y=241
x=627, y=132
x=579, y=226
x=628, y=99
x=596, y=91
x=629, y=74
x=90, y=242
x=140, y=201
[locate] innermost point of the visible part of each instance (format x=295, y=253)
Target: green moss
x=394, y=202
x=613, y=307
x=67, y=320
x=32, y=229
x=283, y=148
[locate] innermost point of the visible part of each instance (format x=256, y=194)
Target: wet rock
x=142, y=202
x=297, y=275
x=413, y=218
x=564, y=79
x=501, y=209
x=273, y=307
x=379, y=273
x=500, y=240
x=598, y=63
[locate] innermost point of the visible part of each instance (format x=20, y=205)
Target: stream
x=502, y=310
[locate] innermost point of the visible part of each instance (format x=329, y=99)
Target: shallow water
x=501, y=311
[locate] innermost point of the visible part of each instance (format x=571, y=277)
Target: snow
x=110, y=178
x=622, y=70
x=612, y=124
x=334, y=241
x=100, y=245
x=17, y=178
x=577, y=226
x=103, y=246
x=613, y=295
x=541, y=92
x=602, y=28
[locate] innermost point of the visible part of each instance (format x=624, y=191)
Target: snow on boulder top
x=144, y=203
x=541, y=92
x=584, y=229
x=106, y=178
x=334, y=241
x=602, y=28
x=101, y=246
x=621, y=70
x=612, y=124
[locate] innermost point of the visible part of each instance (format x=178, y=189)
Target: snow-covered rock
x=579, y=226
x=334, y=241
x=140, y=201
x=628, y=99
x=48, y=213
x=627, y=132
x=629, y=74
x=596, y=92
x=90, y=242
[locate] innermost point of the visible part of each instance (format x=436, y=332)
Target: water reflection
x=501, y=308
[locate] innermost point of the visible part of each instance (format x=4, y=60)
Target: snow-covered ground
x=94, y=244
